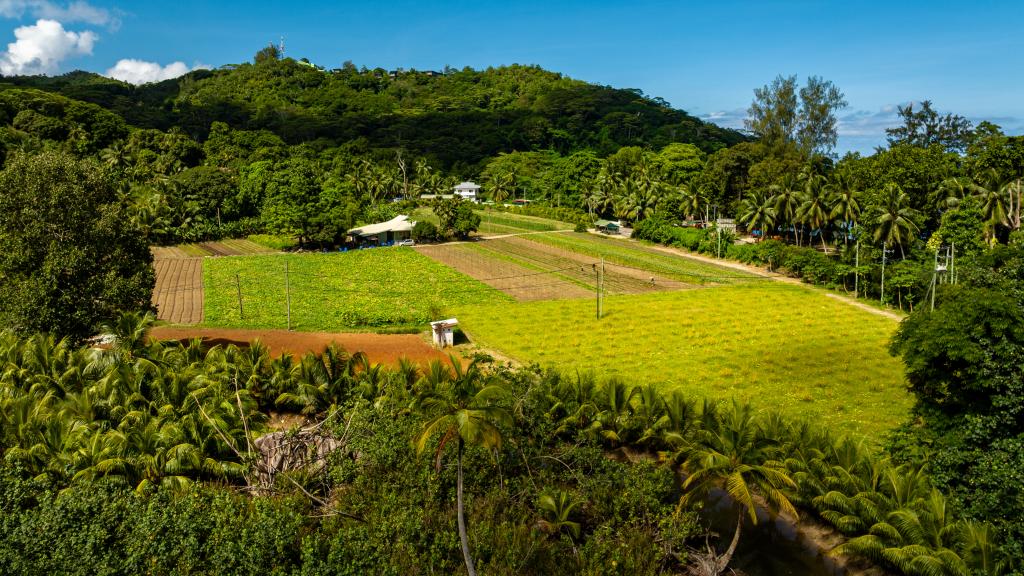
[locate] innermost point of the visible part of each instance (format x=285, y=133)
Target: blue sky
x=703, y=57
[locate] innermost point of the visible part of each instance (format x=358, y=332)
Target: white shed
x=442, y=332
x=468, y=190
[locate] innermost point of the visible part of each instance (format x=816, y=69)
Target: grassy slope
x=780, y=346
x=382, y=287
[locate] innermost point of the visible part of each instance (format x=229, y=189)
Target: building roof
x=400, y=223
x=606, y=224
x=468, y=186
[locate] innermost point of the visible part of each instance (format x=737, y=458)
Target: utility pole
x=856, y=269
x=288, y=294
x=952, y=262
x=935, y=272
x=884, y=250
x=238, y=287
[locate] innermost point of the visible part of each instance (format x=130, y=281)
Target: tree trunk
x=463, y=535
x=723, y=560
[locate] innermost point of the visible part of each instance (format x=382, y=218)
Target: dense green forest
x=102, y=449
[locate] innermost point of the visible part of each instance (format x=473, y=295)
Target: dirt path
x=380, y=348
x=759, y=271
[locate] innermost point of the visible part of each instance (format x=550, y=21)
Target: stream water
x=773, y=547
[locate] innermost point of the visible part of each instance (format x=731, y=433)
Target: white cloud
x=727, y=118
x=141, y=72
x=41, y=47
x=76, y=11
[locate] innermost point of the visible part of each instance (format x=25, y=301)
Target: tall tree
x=69, y=257
x=782, y=120
x=758, y=212
x=896, y=219
x=736, y=455
x=819, y=101
x=924, y=127
x=461, y=405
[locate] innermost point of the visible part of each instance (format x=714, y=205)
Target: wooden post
x=238, y=287
x=288, y=295
x=600, y=300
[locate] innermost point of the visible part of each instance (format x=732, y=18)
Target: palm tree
x=503, y=186
x=556, y=512
x=814, y=209
x=734, y=454
x=995, y=197
x=787, y=203
x=691, y=201
x=895, y=223
x=460, y=404
x=845, y=202
x=758, y=212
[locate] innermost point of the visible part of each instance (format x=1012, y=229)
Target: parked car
x=406, y=242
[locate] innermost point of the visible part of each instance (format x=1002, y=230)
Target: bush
x=424, y=231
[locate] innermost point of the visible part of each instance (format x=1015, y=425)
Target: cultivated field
x=178, y=295
x=522, y=282
x=378, y=288
x=494, y=222
x=219, y=248
x=777, y=345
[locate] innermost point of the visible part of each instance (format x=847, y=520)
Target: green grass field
x=362, y=289
x=779, y=346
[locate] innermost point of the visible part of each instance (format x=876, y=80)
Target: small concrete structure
x=468, y=191
x=442, y=332
x=385, y=233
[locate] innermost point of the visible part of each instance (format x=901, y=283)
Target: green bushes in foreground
x=584, y=480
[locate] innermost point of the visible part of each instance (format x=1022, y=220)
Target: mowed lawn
x=380, y=288
x=779, y=346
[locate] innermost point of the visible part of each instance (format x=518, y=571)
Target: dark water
x=773, y=547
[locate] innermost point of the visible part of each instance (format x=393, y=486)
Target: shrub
x=424, y=231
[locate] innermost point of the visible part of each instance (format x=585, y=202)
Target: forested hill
x=454, y=119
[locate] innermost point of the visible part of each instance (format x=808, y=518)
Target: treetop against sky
x=703, y=57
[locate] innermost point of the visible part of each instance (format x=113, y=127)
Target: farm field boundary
x=380, y=348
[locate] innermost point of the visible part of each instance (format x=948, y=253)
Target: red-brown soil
x=380, y=348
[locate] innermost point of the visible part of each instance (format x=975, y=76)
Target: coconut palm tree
x=845, y=202
x=814, y=208
x=734, y=454
x=556, y=512
x=758, y=212
x=786, y=195
x=461, y=405
x=691, y=201
x=895, y=222
x=995, y=198
x=503, y=186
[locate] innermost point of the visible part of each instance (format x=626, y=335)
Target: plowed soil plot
x=178, y=295
x=380, y=348
x=522, y=283
x=580, y=268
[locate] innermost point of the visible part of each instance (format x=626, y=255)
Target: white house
x=395, y=230
x=468, y=191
